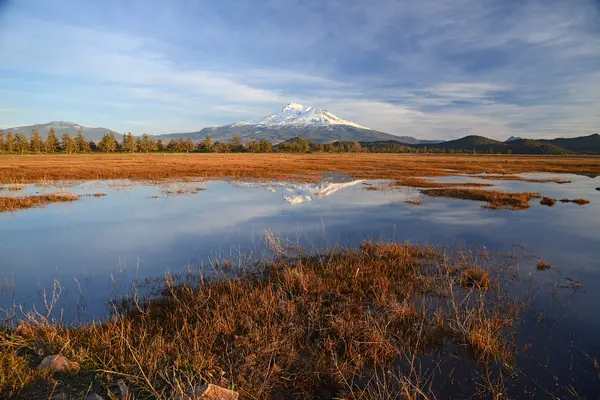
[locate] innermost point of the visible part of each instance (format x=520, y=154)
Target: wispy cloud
x=431, y=69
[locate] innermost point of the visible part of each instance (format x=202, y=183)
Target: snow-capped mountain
x=295, y=114
x=512, y=139
x=294, y=120
x=60, y=128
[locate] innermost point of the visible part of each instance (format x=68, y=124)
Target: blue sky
x=429, y=68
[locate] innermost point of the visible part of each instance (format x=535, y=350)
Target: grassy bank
x=385, y=320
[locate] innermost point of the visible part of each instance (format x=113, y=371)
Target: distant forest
x=19, y=143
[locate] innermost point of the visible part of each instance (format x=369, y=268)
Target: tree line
x=19, y=143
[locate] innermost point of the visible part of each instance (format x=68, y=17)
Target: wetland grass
x=308, y=326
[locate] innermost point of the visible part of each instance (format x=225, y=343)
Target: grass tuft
x=548, y=201
x=581, y=202
x=475, y=277
x=543, y=265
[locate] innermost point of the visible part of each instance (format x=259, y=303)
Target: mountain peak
x=293, y=107
x=297, y=115
x=513, y=138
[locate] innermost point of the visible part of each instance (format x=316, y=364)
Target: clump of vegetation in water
x=581, y=202
x=19, y=203
x=543, y=265
x=548, y=201
x=495, y=199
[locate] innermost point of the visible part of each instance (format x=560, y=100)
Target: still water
x=98, y=246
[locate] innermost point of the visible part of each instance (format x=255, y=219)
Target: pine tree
x=189, y=145
x=81, y=145
x=265, y=146
x=236, y=144
x=129, y=144
x=303, y=145
x=10, y=142
x=21, y=143
x=36, y=141
x=68, y=144
x=253, y=147
x=108, y=143
x=144, y=143
x=208, y=143
x=52, y=144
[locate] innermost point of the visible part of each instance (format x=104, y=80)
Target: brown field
x=311, y=327
x=20, y=203
x=307, y=167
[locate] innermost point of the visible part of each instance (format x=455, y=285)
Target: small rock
x=60, y=396
x=211, y=392
x=123, y=389
x=58, y=363
x=598, y=188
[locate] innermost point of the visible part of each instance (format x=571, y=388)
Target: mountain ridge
x=294, y=120
x=61, y=128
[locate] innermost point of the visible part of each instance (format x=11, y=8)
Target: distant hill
x=482, y=144
x=62, y=127
x=295, y=120
x=583, y=144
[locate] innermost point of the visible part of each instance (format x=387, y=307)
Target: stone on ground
x=58, y=363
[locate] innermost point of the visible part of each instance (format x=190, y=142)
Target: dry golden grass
x=20, y=203
x=581, y=202
x=548, y=201
x=495, y=199
x=35, y=168
x=304, y=327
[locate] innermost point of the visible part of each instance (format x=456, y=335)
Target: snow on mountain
x=512, y=138
x=296, y=193
x=61, y=128
x=294, y=120
x=297, y=115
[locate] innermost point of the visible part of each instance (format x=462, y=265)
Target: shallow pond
x=97, y=246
